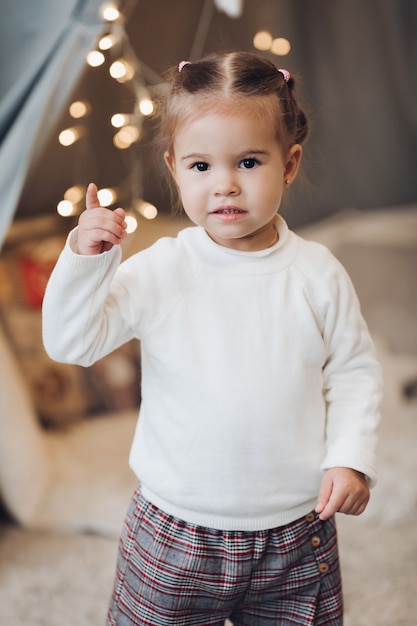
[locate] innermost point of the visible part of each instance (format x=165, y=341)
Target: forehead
x=263, y=108
x=249, y=115
x=216, y=130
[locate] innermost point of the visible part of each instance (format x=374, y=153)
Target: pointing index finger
x=91, y=199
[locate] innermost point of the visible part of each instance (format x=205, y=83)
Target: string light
x=122, y=70
x=126, y=136
x=107, y=42
x=69, y=136
x=146, y=106
x=119, y=119
x=132, y=224
x=106, y=196
x=125, y=68
x=280, y=46
x=65, y=208
x=262, y=40
x=110, y=12
x=75, y=194
x=95, y=58
x=146, y=209
x=79, y=109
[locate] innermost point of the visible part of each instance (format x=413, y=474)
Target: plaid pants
x=171, y=573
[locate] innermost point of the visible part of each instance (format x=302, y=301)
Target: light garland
x=126, y=69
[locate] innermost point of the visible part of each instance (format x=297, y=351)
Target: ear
x=292, y=162
x=170, y=163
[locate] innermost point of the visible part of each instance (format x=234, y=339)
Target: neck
x=274, y=238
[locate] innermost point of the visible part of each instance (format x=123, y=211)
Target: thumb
x=324, y=493
x=91, y=198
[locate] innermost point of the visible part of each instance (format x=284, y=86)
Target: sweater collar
x=282, y=230
x=208, y=252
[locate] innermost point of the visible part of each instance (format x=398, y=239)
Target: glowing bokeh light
x=65, y=208
x=146, y=209
x=107, y=42
x=132, y=224
x=75, y=194
x=106, y=196
x=95, y=58
x=79, y=109
x=280, y=46
x=262, y=40
x=146, y=106
x=121, y=70
x=110, y=12
x=126, y=136
x=118, y=120
x=68, y=136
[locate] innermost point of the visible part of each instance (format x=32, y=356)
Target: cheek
x=189, y=188
x=186, y=198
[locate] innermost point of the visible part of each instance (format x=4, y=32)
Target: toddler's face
x=230, y=172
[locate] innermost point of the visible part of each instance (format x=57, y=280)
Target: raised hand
x=99, y=229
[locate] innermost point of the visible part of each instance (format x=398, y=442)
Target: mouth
x=229, y=211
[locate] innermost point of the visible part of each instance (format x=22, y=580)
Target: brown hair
x=232, y=78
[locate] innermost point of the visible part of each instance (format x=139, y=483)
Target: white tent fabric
x=43, y=47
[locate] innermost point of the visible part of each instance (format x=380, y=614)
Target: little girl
x=260, y=386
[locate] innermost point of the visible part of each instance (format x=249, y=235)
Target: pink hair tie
x=285, y=74
x=182, y=65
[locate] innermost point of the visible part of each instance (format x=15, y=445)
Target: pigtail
x=302, y=127
x=295, y=118
x=195, y=77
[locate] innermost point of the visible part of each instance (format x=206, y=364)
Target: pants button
x=315, y=541
x=323, y=568
x=310, y=517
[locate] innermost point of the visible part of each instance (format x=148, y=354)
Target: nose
x=226, y=184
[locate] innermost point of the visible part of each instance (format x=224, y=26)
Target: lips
x=228, y=211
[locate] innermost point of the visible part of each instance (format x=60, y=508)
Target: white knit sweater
x=258, y=371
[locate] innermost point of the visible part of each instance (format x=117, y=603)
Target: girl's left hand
x=343, y=490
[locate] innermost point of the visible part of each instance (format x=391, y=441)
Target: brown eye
x=248, y=164
x=200, y=166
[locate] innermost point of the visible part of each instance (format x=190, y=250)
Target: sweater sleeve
x=352, y=379
x=82, y=312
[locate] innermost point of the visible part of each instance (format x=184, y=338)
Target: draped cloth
x=43, y=47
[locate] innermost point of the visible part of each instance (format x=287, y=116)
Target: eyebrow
x=243, y=153
x=193, y=156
